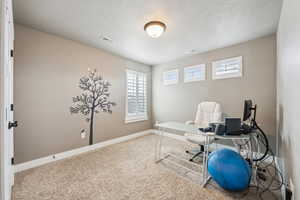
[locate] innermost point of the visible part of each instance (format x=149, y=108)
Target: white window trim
x=171, y=82
x=229, y=75
x=195, y=79
x=135, y=118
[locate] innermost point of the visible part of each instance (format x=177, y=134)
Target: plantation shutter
x=136, y=96
x=194, y=73
x=228, y=68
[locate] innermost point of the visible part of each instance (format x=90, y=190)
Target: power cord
x=268, y=176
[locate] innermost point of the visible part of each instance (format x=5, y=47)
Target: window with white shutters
x=194, y=73
x=136, y=108
x=170, y=77
x=228, y=68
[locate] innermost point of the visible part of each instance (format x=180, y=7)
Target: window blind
x=194, y=73
x=136, y=96
x=228, y=68
x=170, y=77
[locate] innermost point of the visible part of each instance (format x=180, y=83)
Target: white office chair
x=207, y=112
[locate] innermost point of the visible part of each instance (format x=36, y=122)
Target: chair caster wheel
x=191, y=160
x=187, y=152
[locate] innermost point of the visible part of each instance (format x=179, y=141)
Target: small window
x=228, y=68
x=170, y=77
x=194, y=73
x=136, y=108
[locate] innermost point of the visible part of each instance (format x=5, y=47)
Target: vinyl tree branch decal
x=94, y=99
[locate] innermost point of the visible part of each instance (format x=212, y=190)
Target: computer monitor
x=247, y=109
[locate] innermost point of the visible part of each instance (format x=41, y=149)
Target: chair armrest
x=189, y=122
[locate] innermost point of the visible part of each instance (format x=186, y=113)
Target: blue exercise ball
x=229, y=169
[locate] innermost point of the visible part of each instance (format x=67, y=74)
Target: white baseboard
x=67, y=154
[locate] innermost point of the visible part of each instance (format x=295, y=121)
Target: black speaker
x=233, y=126
x=220, y=129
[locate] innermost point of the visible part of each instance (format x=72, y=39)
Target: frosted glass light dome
x=155, y=28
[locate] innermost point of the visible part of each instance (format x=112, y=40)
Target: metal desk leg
x=206, y=181
x=251, y=152
x=251, y=159
x=205, y=161
x=158, y=156
x=206, y=177
x=206, y=156
x=158, y=146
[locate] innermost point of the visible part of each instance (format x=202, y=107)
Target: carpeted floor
x=124, y=171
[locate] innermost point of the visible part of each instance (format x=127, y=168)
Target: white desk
x=182, y=127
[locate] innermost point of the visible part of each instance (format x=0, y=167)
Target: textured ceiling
x=198, y=25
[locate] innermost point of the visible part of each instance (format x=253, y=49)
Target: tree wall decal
x=94, y=99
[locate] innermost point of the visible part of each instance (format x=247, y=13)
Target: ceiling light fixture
x=155, y=28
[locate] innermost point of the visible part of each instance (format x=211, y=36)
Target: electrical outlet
x=82, y=134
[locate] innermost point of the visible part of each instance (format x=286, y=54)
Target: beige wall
x=179, y=102
x=288, y=102
x=47, y=72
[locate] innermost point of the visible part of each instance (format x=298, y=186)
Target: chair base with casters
x=198, y=140
x=198, y=154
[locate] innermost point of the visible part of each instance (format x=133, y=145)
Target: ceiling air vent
x=105, y=38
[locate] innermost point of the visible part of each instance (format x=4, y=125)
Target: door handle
x=12, y=124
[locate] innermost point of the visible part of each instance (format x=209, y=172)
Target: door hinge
x=13, y=124
x=11, y=53
x=12, y=160
x=11, y=107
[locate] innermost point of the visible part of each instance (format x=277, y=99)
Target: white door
x=8, y=100
x=10, y=76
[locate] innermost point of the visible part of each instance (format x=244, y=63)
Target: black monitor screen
x=247, y=109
